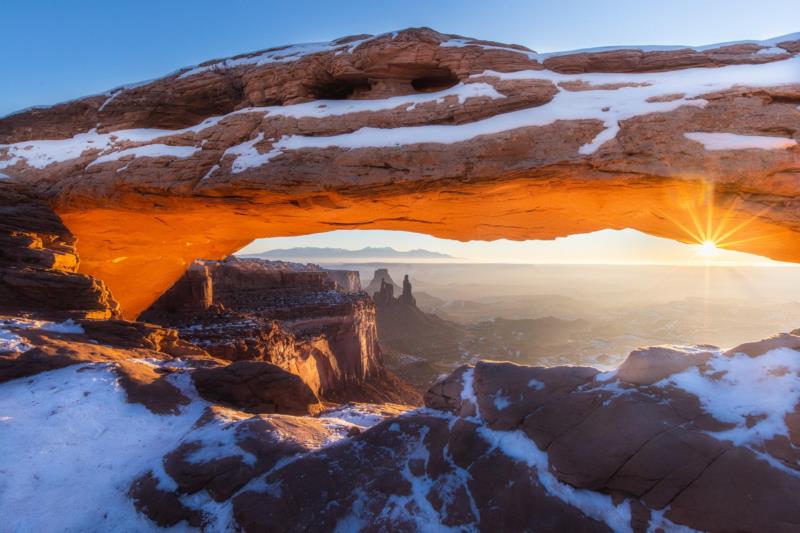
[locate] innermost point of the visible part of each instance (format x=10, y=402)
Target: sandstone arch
x=685, y=144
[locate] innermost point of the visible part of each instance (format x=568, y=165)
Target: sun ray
x=728, y=244
x=723, y=221
x=742, y=225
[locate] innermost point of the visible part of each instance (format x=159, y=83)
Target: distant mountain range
x=327, y=254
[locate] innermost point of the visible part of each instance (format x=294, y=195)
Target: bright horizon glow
x=709, y=249
x=610, y=247
x=152, y=38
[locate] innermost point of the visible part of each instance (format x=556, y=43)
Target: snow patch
x=11, y=342
x=210, y=172
x=329, y=108
x=746, y=391
x=610, y=106
x=501, y=401
x=357, y=415
x=593, y=504
x=276, y=55
x=217, y=440
x=72, y=444
x=536, y=384
x=42, y=153
x=148, y=150
x=247, y=156
x=733, y=141
x=468, y=390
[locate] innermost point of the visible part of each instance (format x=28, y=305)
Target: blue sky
x=56, y=50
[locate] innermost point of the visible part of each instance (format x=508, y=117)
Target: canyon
x=180, y=387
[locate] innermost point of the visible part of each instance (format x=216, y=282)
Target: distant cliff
x=299, y=317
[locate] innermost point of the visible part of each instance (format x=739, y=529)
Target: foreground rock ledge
x=655, y=445
x=418, y=131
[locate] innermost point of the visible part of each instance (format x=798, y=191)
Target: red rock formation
x=286, y=314
x=345, y=280
x=257, y=387
x=381, y=275
x=38, y=263
x=444, y=135
x=564, y=449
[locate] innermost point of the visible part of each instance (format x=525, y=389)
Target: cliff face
x=406, y=333
x=39, y=263
x=419, y=131
x=286, y=314
x=346, y=280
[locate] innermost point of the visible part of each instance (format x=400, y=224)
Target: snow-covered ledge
x=733, y=141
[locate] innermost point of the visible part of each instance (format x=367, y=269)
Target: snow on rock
x=11, y=342
x=42, y=153
x=247, y=156
x=609, y=97
x=362, y=415
x=148, y=150
x=68, y=326
x=767, y=44
x=638, y=94
x=274, y=55
x=599, y=506
x=327, y=108
x=460, y=43
x=733, y=141
x=754, y=393
x=71, y=445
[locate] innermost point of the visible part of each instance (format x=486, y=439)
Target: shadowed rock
x=256, y=387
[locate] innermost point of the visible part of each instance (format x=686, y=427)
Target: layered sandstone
x=296, y=317
x=419, y=131
x=39, y=263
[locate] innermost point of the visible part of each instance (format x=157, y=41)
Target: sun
x=708, y=249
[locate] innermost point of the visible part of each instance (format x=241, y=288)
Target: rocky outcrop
x=513, y=448
x=412, y=338
x=290, y=315
x=39, y=264
x=379, y=278
x=345, y=280
x=257, y=387
x=142, y=356
x=677, y=437
x=419, y=131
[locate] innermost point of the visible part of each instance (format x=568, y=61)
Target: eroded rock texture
x=502, y=447
x=299, y=318
x=419, y=131
x=38, y=263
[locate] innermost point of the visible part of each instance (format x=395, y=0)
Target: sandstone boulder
x=256, y=387
x=782, y=340
x=649, y=365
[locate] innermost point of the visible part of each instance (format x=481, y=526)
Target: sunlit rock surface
x=299, y=318
x=711, y=445
x=420, y=131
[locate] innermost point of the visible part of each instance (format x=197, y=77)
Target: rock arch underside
x=424, y=132
x=228, y=410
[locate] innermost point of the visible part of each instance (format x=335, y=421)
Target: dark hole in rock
x=340, y=88
x=435, y=81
